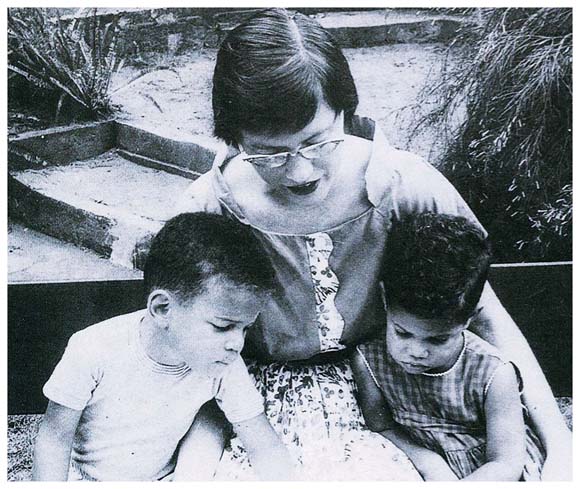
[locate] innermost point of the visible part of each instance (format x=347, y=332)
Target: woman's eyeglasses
x=318, y=150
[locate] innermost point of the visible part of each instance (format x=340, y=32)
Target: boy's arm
x=54, y=443
x=378, y=418
x=505, y=430
x=268, y=455
x=495, y=325
x=201, y=448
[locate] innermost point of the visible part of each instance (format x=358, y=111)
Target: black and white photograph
x=288, y=243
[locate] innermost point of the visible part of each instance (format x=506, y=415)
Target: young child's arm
x=370, y=398
x=54, y=443
x=428, y=463
x=505, y=445
x=377, y=417
x=268, y=455
x=201, y=448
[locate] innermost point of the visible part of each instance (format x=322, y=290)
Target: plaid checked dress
x=445, y=412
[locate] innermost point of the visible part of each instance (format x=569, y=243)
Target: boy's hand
x=268, y=455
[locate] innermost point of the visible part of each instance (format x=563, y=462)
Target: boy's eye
x=402, y=334
x=223, y=327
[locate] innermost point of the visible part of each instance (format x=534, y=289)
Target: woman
x=318, y=185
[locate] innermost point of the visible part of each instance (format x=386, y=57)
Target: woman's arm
x=495, y=325
x=268, y=455
x=201, y=448
x=505, y=431
x=54, y=443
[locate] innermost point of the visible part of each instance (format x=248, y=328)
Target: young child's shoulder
x=107, y=334
x=476, y=345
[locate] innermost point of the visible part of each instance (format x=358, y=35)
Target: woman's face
x=299, y=180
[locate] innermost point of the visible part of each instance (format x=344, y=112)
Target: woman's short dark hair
x=193, y=247
x=271, y=73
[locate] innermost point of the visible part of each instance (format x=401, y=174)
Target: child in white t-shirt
x=126, y=391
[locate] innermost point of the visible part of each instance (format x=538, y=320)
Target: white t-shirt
x=135, y=410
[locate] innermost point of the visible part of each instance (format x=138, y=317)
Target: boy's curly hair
x=436, y=265
x=193, y=247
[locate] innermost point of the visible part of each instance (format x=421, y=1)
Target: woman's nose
x=298, y=168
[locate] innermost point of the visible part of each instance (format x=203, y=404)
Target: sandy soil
x=109, y=185
x=177, y=97
x=36, y=257
x=174, y=99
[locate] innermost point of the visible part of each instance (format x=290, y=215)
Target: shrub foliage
x=511, y=156
x=62, y=64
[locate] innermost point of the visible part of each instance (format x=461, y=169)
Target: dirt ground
x=173, y=98
x=177, y=96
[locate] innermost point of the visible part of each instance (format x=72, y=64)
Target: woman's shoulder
x=200, y=196
x=401, y=182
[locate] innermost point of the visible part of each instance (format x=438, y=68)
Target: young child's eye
x=438, y=341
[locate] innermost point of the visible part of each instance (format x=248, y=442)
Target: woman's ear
x=159, y=306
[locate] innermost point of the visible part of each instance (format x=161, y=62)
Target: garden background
x=484, y=94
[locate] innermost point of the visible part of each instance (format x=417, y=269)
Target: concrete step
x=390, y=26
x=101, y=186
x=174, y=30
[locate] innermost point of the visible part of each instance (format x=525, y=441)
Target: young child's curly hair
x=436, y=265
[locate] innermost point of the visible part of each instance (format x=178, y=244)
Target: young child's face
x=208, y=331
x=422, y=345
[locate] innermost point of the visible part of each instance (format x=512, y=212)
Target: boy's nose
x=235, y=342
x=298, y=169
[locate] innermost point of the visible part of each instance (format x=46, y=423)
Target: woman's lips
x=304, y=189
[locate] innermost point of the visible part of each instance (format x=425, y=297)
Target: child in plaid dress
x=428, y=382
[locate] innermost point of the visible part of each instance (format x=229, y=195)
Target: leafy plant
x=64, y=61
x=511, y=154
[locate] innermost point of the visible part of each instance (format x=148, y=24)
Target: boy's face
x=422, y=345
x=207, y=332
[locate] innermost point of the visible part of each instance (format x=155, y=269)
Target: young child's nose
x=418, y=352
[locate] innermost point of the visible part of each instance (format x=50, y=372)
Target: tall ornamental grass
x=62, y=65
x=511, y=156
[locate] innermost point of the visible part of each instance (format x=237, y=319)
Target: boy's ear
x=159, y=306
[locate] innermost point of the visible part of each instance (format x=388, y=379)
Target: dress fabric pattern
x=299, y=400
x=311, y=400
x=330, y=322
x=445, y=412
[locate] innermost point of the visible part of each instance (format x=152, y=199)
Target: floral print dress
x=302, y=398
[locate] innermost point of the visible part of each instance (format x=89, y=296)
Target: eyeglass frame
x=287, y=154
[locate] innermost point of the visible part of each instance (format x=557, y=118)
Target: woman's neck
x=266, y=208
